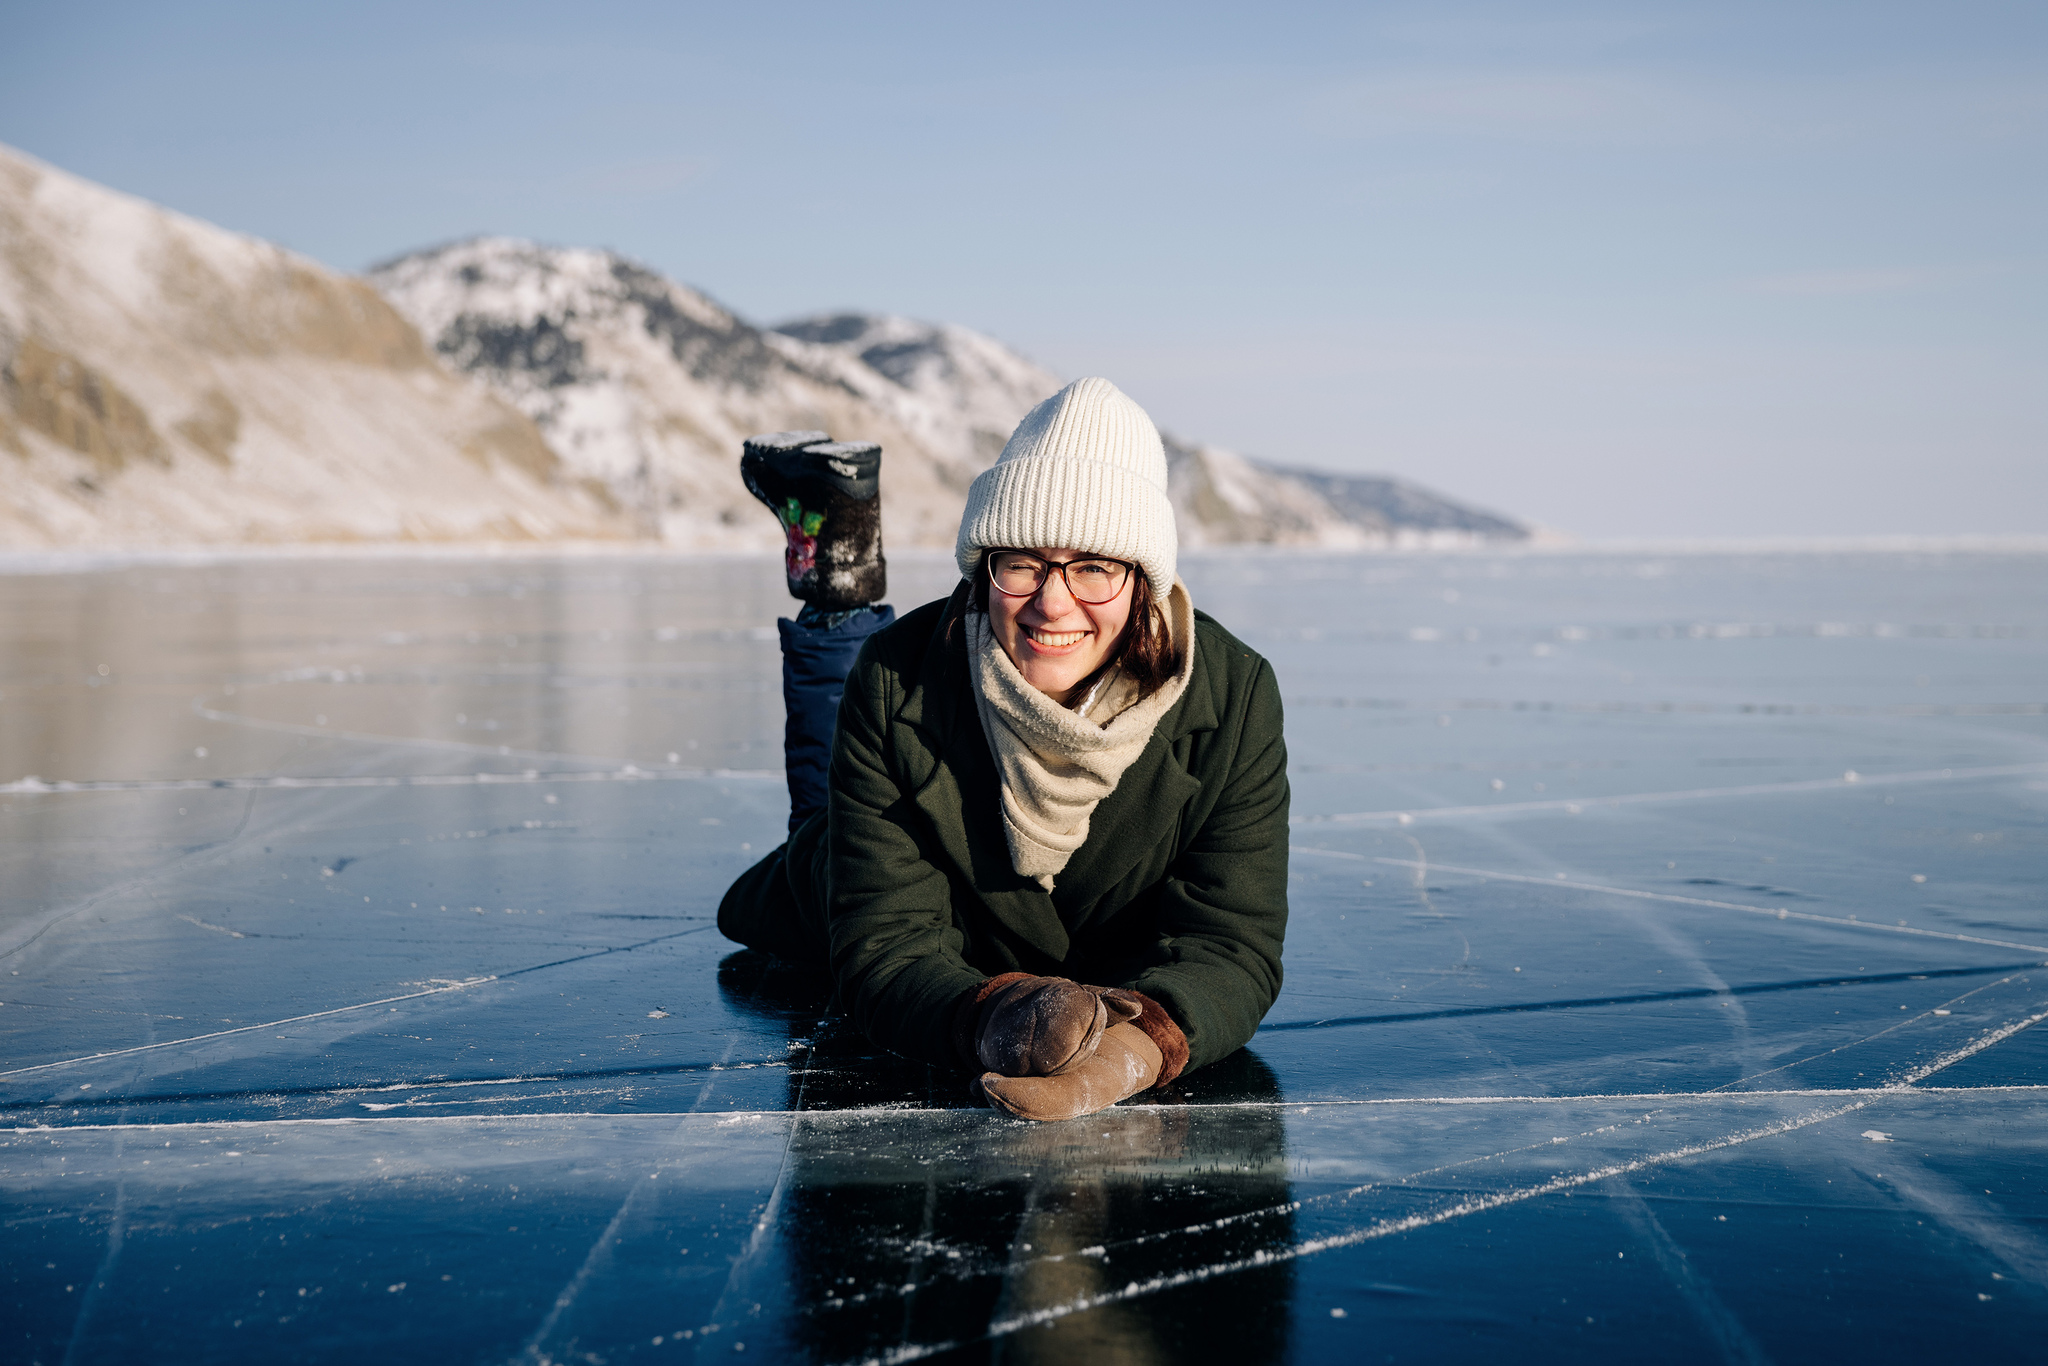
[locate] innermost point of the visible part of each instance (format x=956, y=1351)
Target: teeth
x=1056, y=639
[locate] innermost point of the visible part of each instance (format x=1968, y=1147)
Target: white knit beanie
x=1084, y=471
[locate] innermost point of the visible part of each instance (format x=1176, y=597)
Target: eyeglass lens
x=1090, y=581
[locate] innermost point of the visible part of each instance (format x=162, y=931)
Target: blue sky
x=1717, y=269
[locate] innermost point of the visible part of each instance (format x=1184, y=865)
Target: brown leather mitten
x=1044, y=1026
x=1126, y=1061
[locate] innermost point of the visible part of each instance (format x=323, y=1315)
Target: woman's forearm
x=1222, y=910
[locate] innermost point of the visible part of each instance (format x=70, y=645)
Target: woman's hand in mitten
x=1039, y=1027
x=1043, y=1026
x=1126, y=1061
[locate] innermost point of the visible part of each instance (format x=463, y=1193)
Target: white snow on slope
x=955, y=386
x=1223, y=498
x=650, y=386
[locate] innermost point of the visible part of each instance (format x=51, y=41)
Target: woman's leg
x=818, y=649
x=778, y=905
x=827, y=496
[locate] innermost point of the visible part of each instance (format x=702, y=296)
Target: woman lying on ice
x=1048, y=840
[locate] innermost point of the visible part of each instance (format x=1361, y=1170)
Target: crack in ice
x=1771, y=912
x=1572, y=805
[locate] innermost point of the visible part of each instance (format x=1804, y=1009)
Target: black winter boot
x=828, y=497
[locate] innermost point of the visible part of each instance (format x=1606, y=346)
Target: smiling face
x=1055, y=640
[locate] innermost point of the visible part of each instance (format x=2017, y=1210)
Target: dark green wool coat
x=1180, y=890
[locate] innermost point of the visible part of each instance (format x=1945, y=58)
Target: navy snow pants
x=778, y=905
x=814, y=668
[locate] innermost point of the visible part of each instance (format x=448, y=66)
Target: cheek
x=1002, y=615
x=1110, y=625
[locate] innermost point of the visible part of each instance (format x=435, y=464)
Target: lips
x=1055, y=640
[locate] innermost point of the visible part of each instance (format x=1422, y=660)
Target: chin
x=1051, y=680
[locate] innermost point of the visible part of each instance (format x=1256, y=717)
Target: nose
x=1054, y=599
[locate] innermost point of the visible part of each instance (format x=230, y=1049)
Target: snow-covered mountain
x=1222, y=498
x=163, y=381
x=963, y=391
x=974, y=389
x=649, y=386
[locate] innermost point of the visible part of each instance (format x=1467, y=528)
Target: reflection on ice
x=357, y=941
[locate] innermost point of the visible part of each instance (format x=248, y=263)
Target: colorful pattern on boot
x=800, y=557
x=826, y=496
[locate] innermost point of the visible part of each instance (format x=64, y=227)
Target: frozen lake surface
x=1667, y=935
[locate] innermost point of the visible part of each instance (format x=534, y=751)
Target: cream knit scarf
x=1056, y=763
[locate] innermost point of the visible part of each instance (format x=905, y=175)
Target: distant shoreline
x=65, y=561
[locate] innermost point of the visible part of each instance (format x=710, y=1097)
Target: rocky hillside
x=964, y=391
x=163, y=381
x=648, y=386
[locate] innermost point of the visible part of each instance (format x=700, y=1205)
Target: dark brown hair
x=1148, y=652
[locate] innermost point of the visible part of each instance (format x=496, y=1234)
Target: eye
x=1015, y=573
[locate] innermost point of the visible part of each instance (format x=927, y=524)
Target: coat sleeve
x=1222, y=907
x=897, y=956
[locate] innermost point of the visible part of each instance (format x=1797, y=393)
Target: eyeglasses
x=1090, y=580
